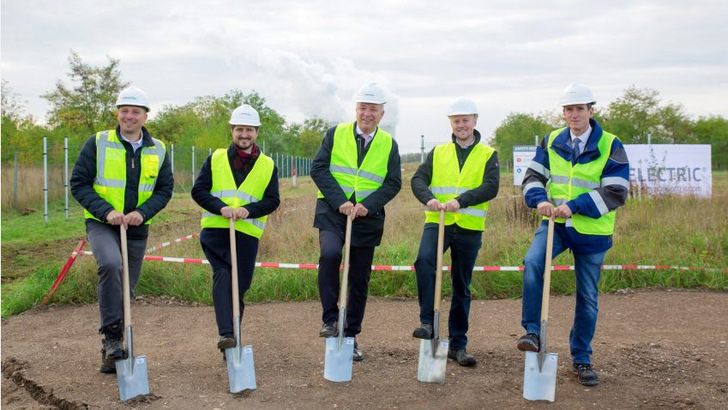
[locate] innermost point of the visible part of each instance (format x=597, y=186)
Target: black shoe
x=586, y=375
x=358, y=352
x=226, y=341
x=328, y=330
x=462, y=357
x=529, y=343
x=423, y=332
x=111, y=351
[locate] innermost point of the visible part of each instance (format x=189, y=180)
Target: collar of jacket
x=476, y=140
x=562, y=143
x=146, y=136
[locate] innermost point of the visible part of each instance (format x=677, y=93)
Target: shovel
x=240, y=366
x=539, y=373
x=340, y=350
x=433, y=353
x=131, y=372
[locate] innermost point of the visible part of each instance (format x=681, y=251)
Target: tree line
x=87, y=105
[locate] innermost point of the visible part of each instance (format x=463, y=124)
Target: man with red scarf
x=238, y=183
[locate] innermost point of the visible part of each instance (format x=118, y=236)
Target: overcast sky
x=308, y=57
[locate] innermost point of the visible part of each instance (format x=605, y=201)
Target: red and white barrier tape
x=178, y=240
x=412, y=268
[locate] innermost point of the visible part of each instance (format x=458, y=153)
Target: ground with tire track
x=653, y=349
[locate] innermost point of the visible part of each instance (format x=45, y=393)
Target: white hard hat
x=462, y=106
x=245, y=115
x=370, y=93
x=577, y=93
x=133, y=96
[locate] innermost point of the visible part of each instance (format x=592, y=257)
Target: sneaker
x=586, y=375
x=226, y=341
x=328, y=330
x=111, y=351
x=358, y=352
x=462, y=357
x=529, y=343
x=423, y=332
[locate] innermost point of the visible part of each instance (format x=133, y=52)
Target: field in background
x=658, y=231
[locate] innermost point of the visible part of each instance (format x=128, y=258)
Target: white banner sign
x=670, y=169
x=522, y=156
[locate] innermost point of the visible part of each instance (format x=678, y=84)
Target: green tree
x=713, y=130
x=18, y=130
x=311, y=136
x=88, y=104
x=518, y=129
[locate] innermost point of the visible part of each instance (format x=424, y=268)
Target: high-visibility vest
x=251, y=190
x=110, y=181
x=449, y=181
x=568, y=181
x=352, y=178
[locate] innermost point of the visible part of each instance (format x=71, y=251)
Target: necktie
x=367, y=138
x=576, y=147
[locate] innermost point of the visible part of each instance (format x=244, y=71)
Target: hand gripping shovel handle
x=344, y=289
x=234, y=283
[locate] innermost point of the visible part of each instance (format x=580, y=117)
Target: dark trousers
x=360, y=270
x=216, y=245
x=106, y=246
x=464, y=247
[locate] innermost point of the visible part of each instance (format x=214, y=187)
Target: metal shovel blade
x=241, y=368
x=132, y=376
x=431, y=365
x=338, y=359
x=540, y=384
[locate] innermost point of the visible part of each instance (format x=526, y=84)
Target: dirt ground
x=653, y=349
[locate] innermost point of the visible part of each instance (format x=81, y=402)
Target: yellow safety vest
x=449, y=181
x=251, y=190
x=568, y=181
x=344, y=165
x=110, y=181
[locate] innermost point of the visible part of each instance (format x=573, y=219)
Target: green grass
x=673, y=231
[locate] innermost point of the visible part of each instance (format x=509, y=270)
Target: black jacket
x=203, y=184
x=84, y=173
x=484, y=192
x=368, y=230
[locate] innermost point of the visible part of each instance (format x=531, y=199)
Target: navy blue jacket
x=84, y=173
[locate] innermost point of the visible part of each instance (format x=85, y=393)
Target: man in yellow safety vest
x=122, y=176
x=459, y=177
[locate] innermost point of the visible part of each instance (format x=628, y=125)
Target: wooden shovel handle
x=126, y=296
x=344, y=290
x=438, y=270
x=547, y=271
x=234, y=270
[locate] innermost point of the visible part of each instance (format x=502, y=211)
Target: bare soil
x=653, y=349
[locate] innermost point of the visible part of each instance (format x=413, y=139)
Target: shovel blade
x=338, y=359
x=241, y=368
x=539, y=382
x=431, y=365
x=131, y=374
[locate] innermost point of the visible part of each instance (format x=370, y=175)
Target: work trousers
x=464, y=247
x=360, y=270
x=105, y=244
x=587, y=273
x=216, y=245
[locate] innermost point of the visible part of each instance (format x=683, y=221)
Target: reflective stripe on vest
x=110, y=181
x=568, y=181
x=370, y=176
x=251, y=190
x=449, y=181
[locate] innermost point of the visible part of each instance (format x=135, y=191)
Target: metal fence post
x=45, y=179
x=171, y=158
x=193, y=165
x=65, y=164
x=15, y=178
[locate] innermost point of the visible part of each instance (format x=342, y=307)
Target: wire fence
x=31, y=179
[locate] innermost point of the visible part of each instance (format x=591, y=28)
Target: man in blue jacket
x=121, y=177
x=580, y=176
